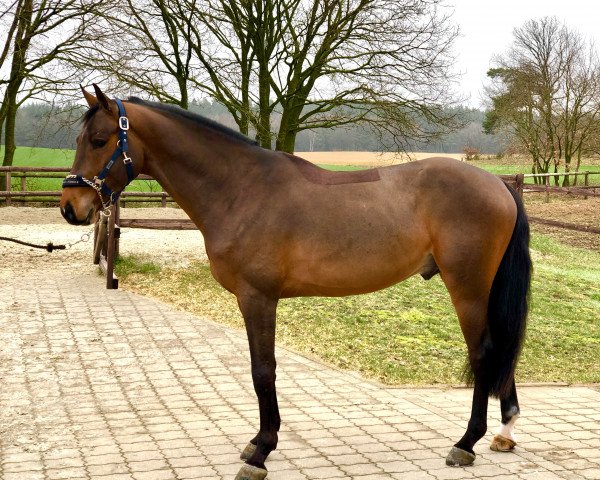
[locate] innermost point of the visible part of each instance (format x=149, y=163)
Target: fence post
x=519, y=181
x=586, y=182
x=547, y=183
x=164, y=200
x=111, y=281
x=8, y=187
x=23, y=183
x=117, y=234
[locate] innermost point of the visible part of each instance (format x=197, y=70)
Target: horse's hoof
x=459, y=457
x=502, y=444
x=250, y=472
x=248, y=451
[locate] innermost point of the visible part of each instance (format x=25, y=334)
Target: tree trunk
x=290, y=121
x=185, y=102
x=566, y=181
x=286, y=142
x=577, y=165
x=244, y=123
x=263, y=132
x=9, y=133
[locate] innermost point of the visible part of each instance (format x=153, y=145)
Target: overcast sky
x=486, y=29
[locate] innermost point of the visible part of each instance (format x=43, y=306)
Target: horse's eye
x=98, y=143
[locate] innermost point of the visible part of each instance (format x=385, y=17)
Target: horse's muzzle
x=68, y=213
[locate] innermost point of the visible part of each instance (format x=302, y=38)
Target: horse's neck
x=202, y=172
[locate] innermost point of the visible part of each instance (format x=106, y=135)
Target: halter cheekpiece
x=99, y=181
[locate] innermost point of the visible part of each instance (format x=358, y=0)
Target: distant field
x=368, y=159
x=42, y=157
x=47, y=157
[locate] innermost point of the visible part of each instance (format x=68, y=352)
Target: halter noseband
x=99, y=181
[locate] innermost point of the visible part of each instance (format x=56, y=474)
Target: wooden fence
x=23, y=195
x=108, y=233
x=586, y=190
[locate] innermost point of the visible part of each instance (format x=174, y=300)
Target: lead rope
x=50, y=247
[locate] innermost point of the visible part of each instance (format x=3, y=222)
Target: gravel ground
x=43, y=225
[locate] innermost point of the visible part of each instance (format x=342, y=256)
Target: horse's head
x=103, y=166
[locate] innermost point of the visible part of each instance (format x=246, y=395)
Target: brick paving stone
x=361, y=469
x=108, y=469
x=419, y=475
x=592, y=474
x=324, y=472
x=108, y=385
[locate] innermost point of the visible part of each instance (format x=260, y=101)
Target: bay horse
x=277, y=226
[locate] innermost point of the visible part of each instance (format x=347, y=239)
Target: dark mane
x=180, y=112
x=194, y=117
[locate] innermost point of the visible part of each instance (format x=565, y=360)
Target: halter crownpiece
x=99, y=181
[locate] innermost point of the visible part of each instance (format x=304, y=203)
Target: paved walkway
x=99, y=384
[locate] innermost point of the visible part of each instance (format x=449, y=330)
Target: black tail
x=507, y=309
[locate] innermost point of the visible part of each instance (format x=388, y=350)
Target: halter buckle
x=126, y=159
x=124, y=123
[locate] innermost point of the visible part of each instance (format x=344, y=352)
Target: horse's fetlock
x=267, y=441
x=477, y=429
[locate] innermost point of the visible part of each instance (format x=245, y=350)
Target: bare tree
x=546, y=93
x=316, y=64
x=43, y=35
x=145, y=50
x=578, y=101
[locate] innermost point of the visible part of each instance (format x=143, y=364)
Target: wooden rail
x=568, y=226
x=24, y=195
x=547, y=189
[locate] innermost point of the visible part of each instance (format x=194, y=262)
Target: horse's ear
x=89, y=98
x=102, y=99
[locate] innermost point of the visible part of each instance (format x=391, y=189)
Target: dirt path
x=43, y=225
x=571, y=210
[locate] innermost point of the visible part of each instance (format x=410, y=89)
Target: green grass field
x=408, y=333
x=47, y=157
x=511, y=169
x=41, y=157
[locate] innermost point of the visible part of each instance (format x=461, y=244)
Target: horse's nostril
x=68, y=213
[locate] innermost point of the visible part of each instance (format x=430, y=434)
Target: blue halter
x=99, y=181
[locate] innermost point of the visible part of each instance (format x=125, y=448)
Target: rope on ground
x=48, y=247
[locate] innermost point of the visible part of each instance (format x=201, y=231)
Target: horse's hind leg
x=505, y=441
x=472, y=315
x=259, y=317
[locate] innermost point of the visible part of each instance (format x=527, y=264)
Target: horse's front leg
x=259, y=316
